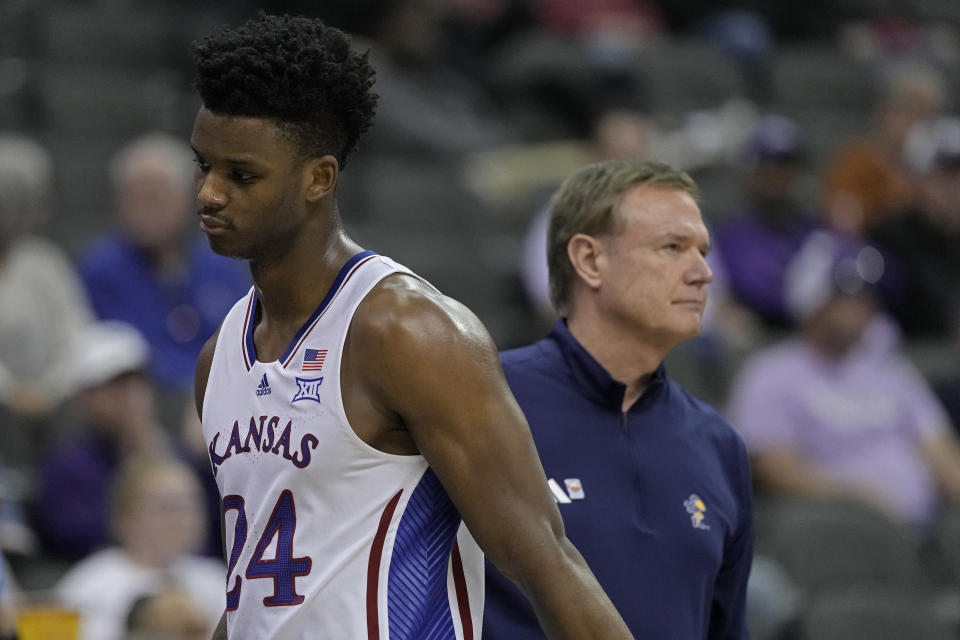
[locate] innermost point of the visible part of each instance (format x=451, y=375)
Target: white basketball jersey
x=327, y=537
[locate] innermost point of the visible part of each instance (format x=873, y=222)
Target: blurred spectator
x=814, y=20
x=947, y=383
x=755, y=244
x=884, y=35
x=575, y=61
x=923, y=243
x=16, y=535
x=116, y=406
x=600, y=19
x=838, y=409
x=168, y=614
x=155, y=271
x=42, y=304
x=746, y=38
x=8, y=618
x=616, y=133
x=477, y=28
x=158, y=522
x=426, y=106
x=867, y=178
x=609, y=32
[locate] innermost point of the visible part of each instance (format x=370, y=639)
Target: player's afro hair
x=296, y=71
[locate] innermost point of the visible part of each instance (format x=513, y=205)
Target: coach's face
x=255, y=193
x=654, y=272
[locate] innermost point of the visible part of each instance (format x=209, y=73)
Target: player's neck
x=293, y=284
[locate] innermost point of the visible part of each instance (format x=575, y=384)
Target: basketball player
x=353, y=414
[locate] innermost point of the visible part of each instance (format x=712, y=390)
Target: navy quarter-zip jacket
x=658, y=499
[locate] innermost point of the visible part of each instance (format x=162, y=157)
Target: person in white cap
x=115, y=401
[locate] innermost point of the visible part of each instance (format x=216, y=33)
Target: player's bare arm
x=420, y=373
x=201, y=374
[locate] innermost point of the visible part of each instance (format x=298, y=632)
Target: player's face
x=655, y=275
x=250, y=185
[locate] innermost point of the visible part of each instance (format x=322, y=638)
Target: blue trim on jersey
x=251, y=350
x=417, y=600
x=248, y=339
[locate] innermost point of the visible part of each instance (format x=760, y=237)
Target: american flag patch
x=313, y=359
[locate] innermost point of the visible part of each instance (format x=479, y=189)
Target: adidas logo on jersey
x=263, y=389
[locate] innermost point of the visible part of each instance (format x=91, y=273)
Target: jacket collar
x=591, y=378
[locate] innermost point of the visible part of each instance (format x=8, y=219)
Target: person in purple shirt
x=837, y=409
x=154, y=271
x=754, y=244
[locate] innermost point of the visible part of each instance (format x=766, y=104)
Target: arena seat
x=833, y=542
x=875, y=613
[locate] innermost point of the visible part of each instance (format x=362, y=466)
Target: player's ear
x=320, y=177
x=588, y=257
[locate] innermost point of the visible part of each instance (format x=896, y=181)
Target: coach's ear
x=320, y=177
x=588, y=257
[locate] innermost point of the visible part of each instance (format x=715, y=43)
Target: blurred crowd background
x=825, y=137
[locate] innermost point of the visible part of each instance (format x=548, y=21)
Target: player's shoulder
x=205, y=357
x=404, y=308
x=202, y=370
